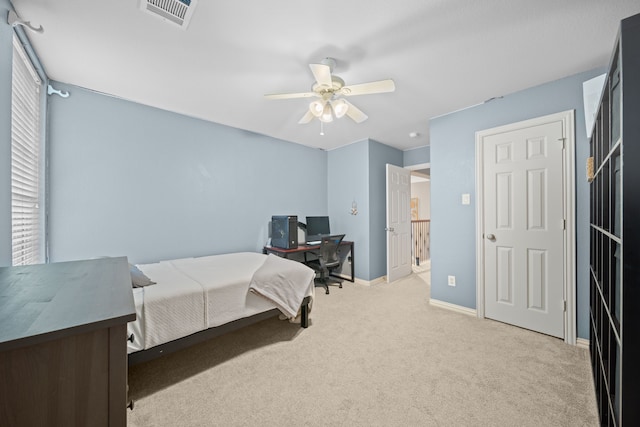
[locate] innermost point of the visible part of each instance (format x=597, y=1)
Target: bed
x=188, y=300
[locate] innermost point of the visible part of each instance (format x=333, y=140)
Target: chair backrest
x=328, y=253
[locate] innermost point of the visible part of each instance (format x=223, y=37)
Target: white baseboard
x=381, y=279
x=453, y=307
x=582, y=343
x=371, y=282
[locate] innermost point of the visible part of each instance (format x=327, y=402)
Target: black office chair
x=328, y=260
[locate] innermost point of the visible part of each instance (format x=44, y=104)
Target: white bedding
x=225, y=280
x=193, y=294
x=136, y=328
x=173, y=307
x=278, y=280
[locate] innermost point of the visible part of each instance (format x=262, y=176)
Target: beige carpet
x=373, y=356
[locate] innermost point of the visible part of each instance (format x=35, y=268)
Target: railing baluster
x=420, y=235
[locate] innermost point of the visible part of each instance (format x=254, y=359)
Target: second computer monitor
x=317, y=226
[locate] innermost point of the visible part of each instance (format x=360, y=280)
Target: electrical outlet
x=452, y=280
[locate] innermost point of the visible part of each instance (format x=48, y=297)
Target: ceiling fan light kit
x=327, y=114
x=316, y=108
x=325, y=110
x=340, y=107
x=329, y=88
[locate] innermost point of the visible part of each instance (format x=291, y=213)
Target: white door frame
x=568, y=124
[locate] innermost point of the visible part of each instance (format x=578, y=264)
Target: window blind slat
x=23, y=160
x=24, y=174
x=21, y=181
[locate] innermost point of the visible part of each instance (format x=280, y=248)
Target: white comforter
x=193, y=294
x=278, y=280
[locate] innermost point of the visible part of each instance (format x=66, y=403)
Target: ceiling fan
x=329, y=89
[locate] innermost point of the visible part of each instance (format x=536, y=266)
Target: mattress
x=193, y=294
x=172, y=308
x=136, y=328
x=225, y=281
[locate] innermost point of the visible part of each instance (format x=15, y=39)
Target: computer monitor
x=317, y=226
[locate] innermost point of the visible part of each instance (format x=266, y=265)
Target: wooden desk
x=346, y=248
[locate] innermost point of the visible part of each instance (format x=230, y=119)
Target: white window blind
x=27, y=230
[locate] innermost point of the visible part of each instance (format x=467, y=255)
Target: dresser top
x=49, y=301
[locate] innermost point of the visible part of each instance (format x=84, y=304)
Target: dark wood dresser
x=63, y=352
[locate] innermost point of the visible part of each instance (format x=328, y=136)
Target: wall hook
x=14, y=20
x=62, y=93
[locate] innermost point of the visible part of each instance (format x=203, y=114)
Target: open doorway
x=421, y=217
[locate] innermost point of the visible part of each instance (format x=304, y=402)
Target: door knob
x=389, y=229
x=491, y=237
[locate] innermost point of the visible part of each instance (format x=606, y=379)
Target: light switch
x=466, y=199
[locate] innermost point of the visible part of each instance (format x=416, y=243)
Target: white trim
x=381, y=279
x=582, y=343
x=571, y=333
x=479, y=230
x=418, y=166
x=453, y=307
x=568, y=123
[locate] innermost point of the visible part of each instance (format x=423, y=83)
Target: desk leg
x=353, y=263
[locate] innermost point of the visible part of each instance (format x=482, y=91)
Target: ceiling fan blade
x=306, y=118
x=322, y=74
x=381, y=86
x=290, y=95
x=355, y=113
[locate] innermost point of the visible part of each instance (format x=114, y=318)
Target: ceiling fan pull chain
x=321, y=128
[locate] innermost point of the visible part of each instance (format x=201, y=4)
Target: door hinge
x=564, y=305
x=564, y=224
x=564, y=142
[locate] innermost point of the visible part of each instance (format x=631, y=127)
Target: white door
x=398, y=222
x=524, y=226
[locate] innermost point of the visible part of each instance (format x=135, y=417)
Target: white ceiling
x=443, y=55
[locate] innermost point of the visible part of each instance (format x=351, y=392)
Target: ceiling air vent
x=176, y=11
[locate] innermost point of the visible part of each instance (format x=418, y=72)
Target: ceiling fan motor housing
x=321, y=89
x=329, y=62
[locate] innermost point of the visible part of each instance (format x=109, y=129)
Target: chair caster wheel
x=327, y=292
x=340, y=286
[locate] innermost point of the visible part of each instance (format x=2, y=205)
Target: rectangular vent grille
x=178, y=12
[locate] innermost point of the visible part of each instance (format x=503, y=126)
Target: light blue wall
x=6, y=55
x=347, y=178
x=416, y=156
x=379, y=156
x=357, y=172
x=127, y=179
x=453, y=173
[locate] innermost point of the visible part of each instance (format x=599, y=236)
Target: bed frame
x=181, y=343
